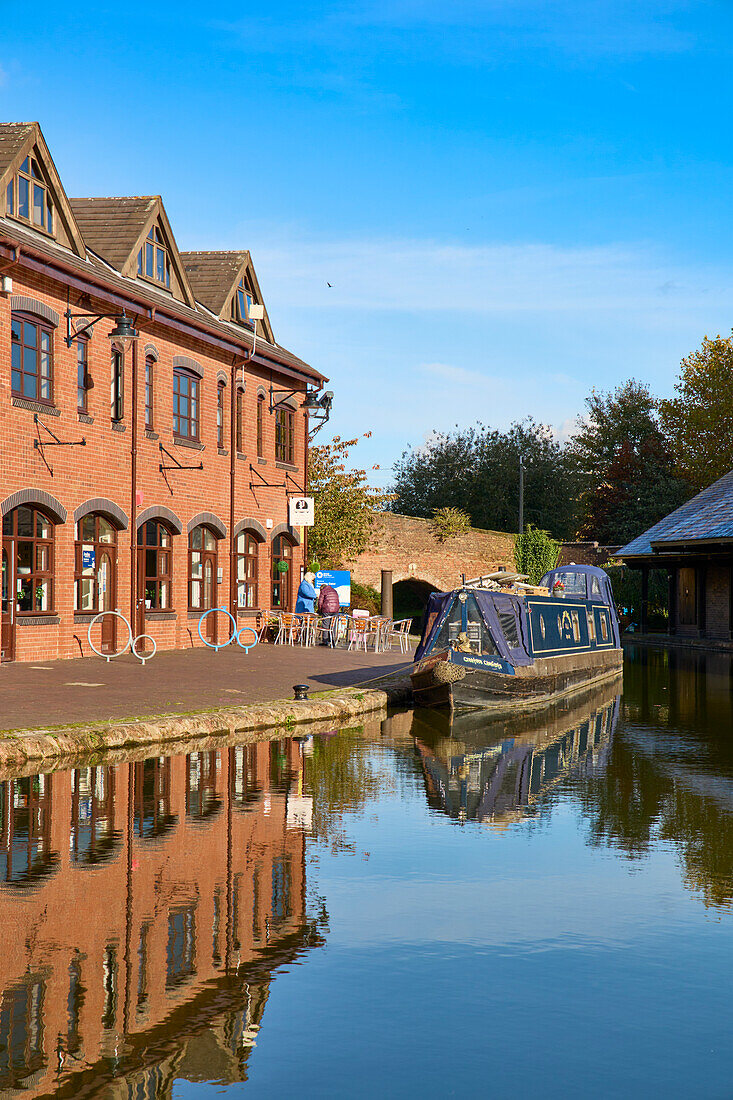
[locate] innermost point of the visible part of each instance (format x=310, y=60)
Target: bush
x=366, y=597
x=448, y=523
x=535, y=553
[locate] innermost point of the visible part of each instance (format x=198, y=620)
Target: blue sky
x=513, y=200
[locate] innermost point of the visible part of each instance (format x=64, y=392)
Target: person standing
x=307, y=595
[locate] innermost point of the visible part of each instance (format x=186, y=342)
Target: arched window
x=285, y=434
x=149, y=400
x=201, y=569
x=261, y=426
x=95, y=570
x=28, y=560
x=240, y=421
x=155, y=542
x=247, y=550
x=83, y=381
x=282, y=555
x=32, y=358
x=185, y=404
x=220, y=392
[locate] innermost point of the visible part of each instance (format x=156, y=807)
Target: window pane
x=25, y=522
x=35, y=170
x=30, y=335
x=87, y=529
x=196, y=538
x=23, y=199
x=165, y=536
x=25, y=557
x=151, y=563
x=149, y=260
x=39, y=202
x=195, y=564
x=106, y=531
x=9, y=198
x=195, y=593
x=86, y=594
x=43, y=527
x=49, y=215
x=160, y=265
x=209, y=540
x=164, y=595
x=43, y=561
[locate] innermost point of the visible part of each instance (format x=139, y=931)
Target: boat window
x=509, y=628
x=604, y=626
x=450, y=629
x=479, y=636
x=595, y=588
x=576, y=625
x=574, y=583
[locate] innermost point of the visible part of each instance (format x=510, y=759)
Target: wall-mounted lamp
x=123, y=333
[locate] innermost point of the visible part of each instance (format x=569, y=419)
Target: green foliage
x=476, y=470
x=626, y=584
x=366, y=597
x=344, y=503
x=699, y=421
x=624, y=466
x=339, y=777
x=535, y=553
x=448, y=523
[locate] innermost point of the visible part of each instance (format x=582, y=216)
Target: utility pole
x=521, y=495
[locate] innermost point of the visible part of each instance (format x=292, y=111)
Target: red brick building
x=150, y=476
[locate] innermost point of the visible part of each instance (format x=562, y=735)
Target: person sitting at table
x=306, y=595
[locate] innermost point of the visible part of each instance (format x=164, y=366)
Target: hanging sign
x=300, y=512
x=87, y=559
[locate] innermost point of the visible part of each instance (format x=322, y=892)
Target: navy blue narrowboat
x=514, y=648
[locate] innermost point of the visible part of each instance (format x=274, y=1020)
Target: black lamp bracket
x=75, y=330
x=40, y=442
x=177, y=465
x=263, y=482
x=281, y=395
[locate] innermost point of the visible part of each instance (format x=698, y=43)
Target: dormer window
x=153, y=261
x=242, y=301
x=27, y=196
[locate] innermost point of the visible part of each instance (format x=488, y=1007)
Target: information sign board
x=340, y=579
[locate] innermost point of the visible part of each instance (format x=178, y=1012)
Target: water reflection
x=144, y=910
x=497, y=772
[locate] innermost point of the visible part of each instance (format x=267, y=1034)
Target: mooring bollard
x=301, y=691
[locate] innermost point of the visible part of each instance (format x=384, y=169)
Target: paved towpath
x=56, y=693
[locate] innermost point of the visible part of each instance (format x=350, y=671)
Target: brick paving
x=55, y=693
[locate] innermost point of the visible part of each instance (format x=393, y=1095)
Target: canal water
x=409, y=908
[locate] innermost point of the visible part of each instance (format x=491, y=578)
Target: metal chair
x=400, y=632
x=361, y=631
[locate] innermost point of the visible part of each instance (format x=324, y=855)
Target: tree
x=699, y=421
x=624, y=466
x=344, y=503
x=535, y=553
x=476, y=469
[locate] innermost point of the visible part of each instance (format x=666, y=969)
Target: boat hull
x=441, y=680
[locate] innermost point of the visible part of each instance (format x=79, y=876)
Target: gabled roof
x=13, y=139
x=111, y=227
x=115, y=228
x=708, y=517
x=214, y=277
x=17, y=141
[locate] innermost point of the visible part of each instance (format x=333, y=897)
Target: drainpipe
x=133, y=498
x=305, y=490
x=232, y=469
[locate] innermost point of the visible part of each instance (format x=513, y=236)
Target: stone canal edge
x=30, y=750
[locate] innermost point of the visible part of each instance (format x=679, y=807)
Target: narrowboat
x=497, y=644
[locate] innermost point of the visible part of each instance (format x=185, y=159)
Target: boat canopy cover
x=503, y=614
x=587, y=581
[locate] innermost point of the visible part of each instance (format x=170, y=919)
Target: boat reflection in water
x=494, y=772
x=144, y=907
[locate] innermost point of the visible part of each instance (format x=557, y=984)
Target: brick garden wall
x=407, y=546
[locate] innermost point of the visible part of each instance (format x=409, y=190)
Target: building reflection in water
x=144, y=908
x=493, y=772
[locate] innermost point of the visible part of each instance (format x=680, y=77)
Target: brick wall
x=408, y=547
x=102, y=468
